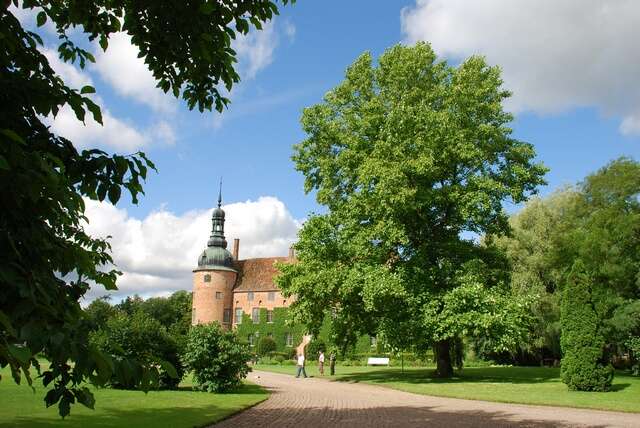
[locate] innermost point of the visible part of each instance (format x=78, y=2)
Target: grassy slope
x=20, y=407
x=526, y=385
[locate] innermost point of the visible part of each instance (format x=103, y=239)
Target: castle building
x=225, y=288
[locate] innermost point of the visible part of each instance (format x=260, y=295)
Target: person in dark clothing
x=332, y=363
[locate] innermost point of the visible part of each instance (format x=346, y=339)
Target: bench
x=374, y=361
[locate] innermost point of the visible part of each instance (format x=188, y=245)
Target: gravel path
x=315, y=402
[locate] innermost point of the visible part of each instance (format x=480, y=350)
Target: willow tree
x=410, y=158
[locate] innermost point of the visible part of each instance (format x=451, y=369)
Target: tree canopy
x=410, y=158
x=597, y=223
x=48, y=261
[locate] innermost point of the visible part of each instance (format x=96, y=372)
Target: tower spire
x=217, y=238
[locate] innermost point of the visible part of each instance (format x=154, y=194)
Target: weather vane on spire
x=220, y=193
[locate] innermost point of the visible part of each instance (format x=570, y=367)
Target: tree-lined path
x=316, y=402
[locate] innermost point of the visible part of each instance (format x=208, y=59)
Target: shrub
x=217, y=358
x=279, y=359
x=583, y=365
x=266, y=345
x=143, y=339
x=312, y=350
x=634, y=346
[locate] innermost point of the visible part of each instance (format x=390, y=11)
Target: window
x=250, y=339
x=250, y=295
x=271, y=296
x=218, y=295
x=226, y=316
x=238, y=315
x=288, y=339
x=373, y=340
x=255, y=315
x=207, y=278
x=193, y=315
x=269, y=316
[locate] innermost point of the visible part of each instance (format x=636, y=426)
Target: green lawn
x=526, y=385
x=20, y=407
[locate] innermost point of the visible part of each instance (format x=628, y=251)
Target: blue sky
x=572, y=68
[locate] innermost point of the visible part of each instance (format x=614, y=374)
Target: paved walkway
x=315, y=402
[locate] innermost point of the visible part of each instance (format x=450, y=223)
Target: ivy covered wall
x=279, y=328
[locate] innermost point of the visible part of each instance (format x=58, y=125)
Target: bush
x=217, y=358
x=143, y=339
x=312, y=350
x=583, y=365
x=266, y=346
x=634, y=347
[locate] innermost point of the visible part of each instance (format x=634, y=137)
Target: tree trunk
x=442, y=349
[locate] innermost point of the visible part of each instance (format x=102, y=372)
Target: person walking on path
x=301, y=366
x=321, y=363
x=332, y=363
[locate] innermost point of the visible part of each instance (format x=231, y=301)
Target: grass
x=20, y=407
x=524, y=385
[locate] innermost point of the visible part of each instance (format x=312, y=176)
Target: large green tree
x=597, y=222
x=409, y=158
x=47, y=260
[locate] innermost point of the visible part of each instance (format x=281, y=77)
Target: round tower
x=215, y=276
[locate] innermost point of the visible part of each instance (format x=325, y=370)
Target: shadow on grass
x=387, y=416
x=248, y=388
x=114, y=417
x=620, y=386
x=518, y=375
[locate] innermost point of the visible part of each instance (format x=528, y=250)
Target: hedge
x=584, y=367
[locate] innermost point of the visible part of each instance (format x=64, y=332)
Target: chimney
x=236, y=248
x=292, y=253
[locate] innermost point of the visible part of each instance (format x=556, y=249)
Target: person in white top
x=301, y=366
x=321, y=363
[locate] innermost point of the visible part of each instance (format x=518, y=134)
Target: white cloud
x=116, y=134
x=555, y=55
x=290, y=30
x=129, y=75
x=70, y=74
x=255, y=50
x=158, y=253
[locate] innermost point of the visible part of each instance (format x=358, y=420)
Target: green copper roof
x=216, y=256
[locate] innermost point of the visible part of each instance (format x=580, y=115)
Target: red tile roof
x=257, y=274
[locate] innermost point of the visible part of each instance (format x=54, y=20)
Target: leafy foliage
x=48, y=261
x=584, y=366
x=278, y=328
x=312, y=350
x=596, y=221
x=265, y=346
x=406, y=157
x=143, y=339
x=216, y=357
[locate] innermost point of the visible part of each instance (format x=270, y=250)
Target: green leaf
x=207, y=8
x=6, y=323
x=114, y=193
x=94, y=109
x=20, y=353
x=88, y=90
x=168, y=367
x=12, y=135
x=85, y=397
x=41, y=18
